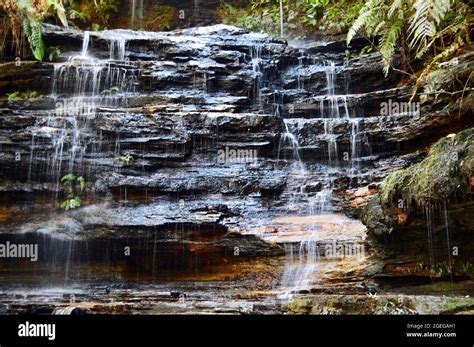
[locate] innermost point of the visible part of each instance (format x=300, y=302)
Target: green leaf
x=13, y=96
x=33, y=32
x=82, y=183
x=68, y=178
x=54, y=52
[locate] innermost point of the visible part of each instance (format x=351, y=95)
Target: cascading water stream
x=85, y=43
x=298, y=175
x=289, y=140
x=282, y=21
x=302, y=263
x=256, y=60
x=355, y=145
x=299, y=69
x=429, y=227
x=80, y=86
x=334, y=110
x=448, y=242
x=300, y=269
x=329, y=111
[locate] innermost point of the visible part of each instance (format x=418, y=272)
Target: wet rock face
x=212, y=131
x=433, y=197
x=162, y=98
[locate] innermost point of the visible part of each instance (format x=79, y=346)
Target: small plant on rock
x=127, y=159
x=73, y=186
x=54, y=52
x=29, y=94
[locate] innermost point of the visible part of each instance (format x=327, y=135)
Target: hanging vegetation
x=418, y=27
x=23, y=18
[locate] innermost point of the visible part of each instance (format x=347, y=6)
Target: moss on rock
x=444, y=174
x=397, y=215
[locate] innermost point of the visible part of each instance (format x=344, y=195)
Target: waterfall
x=298, y=175
x=429, y=227
x=321, y=203
x=448, y=242
x=355, y=145
x=301, y=268
x=117, y=48
x=196, y=9
x=79, y=87
x=288, y=139
x=330, y=71
x=329, y=111
x=256, y=60
x=302, y=263
x=299, y=68
x=331, y=139
x=85, y=43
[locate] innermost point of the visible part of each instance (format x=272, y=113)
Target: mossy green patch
x=445, y=172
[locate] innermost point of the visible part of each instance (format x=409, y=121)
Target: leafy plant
x=95, y=12
x=126, y=159
x=425, y=20
x=414, y=26
x=54, y=52
x=301, y=17
x=13, y=96
x=95, y=27
x=157, y=17
x=339, y=16
x=441, y=269
x=29, y=94
x=466, y=268
x=379, y=17
x=32, y=30
x=73, y=186
x=25, y=17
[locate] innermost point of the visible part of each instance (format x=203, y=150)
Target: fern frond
x=366, y=14
x=33, y=31
x=379, y=27
x=388, y=42
x=395, y=6
x=428, y=14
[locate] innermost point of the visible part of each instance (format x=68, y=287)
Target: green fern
x=378, y=17
x=424, y=20
x=33, y=31
x=366, y=17
x=394, y=7
x=388, y=43
x=29, y=16
x=427, y=16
